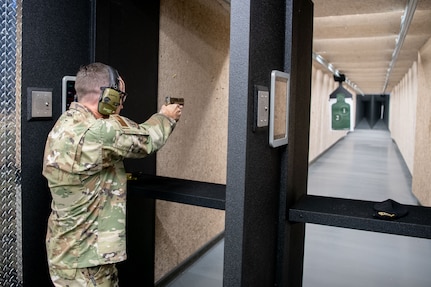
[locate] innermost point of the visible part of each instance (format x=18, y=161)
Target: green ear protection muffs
x=110, y=97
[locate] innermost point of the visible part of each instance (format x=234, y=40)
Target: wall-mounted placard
x=279, y=108
x=68, y=92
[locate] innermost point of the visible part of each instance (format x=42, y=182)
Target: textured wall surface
x=422, y=157
x=410, y=122
x=402, y=114
x=193, y=64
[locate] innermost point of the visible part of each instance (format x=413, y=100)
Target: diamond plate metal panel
x=10, y=187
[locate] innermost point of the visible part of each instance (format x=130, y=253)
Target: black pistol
x=171, y=100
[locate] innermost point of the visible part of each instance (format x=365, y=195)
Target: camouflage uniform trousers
x=98, y=276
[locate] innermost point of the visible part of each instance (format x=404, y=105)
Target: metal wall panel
x=10, y=187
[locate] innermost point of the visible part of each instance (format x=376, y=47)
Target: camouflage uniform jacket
x=85, y=172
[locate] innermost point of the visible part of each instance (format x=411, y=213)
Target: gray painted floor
x=364, y=165
x=205, y=272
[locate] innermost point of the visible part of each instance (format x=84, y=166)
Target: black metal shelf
x=191, y=192
x=358, y=214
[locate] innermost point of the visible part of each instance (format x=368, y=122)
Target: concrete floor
x=364, y=165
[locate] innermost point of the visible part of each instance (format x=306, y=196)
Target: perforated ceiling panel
x=10, y=187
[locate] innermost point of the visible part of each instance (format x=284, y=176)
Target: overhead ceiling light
x=318, y=58
x=406, y=20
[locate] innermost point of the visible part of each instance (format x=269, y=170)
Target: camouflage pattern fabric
x=83, y=163
x=99, y=276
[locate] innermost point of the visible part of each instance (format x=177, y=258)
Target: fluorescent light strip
x=406, y=20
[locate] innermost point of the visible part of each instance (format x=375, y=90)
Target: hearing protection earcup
x=109, y=101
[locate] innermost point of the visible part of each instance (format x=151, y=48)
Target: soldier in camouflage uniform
x=83, y=164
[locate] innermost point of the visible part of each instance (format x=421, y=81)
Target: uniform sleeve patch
x=125, y=123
